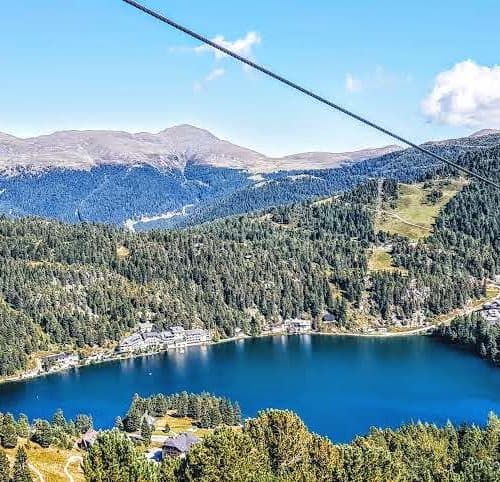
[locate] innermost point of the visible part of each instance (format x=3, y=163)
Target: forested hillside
x=277, y=446
x=182, y=188
x=274, y=446
x=88, y=285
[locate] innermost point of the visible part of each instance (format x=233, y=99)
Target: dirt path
x=398, y=217
x=71, y=460
x=33, y=469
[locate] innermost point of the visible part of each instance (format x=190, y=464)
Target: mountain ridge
x=173, y=148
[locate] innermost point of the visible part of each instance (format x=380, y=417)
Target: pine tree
x=214, y=416
x=23, y=426
x=58, y=418
x=42, y=433
x=119, y=424
x=21, y=470
x=9, y=432
x=132, y=421
x=146, y=431
x=4, y=467
x=83, y=423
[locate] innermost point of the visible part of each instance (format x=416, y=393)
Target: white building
x=298, y=326
x=156, y=340
x=196, y=336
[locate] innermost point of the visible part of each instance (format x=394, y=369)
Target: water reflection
x=339, y=385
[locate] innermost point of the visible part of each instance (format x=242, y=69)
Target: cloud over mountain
x=466, y=95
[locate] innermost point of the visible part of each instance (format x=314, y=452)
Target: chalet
x=180, y=445
x=59, y=360
x=298, y=326
x=89, y=438
x=328, y=318
x=149, y=420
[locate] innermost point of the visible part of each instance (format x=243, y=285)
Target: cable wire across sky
x=305, y=91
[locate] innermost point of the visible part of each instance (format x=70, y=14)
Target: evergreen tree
x=83, y=423
x=43, y=433
x=9, y=432
x=23, y=426
x=58, y=419
x=146, y=431
x=119, y=424
x=21, y=472
x=4, y=467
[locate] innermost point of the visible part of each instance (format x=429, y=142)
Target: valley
x=118, y=177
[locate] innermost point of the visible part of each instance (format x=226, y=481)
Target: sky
x=427, y=69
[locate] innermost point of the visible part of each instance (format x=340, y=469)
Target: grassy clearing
x=413, y=217
x=178, y=425
x=50, y=462
x=122, y=252
x=380, y=260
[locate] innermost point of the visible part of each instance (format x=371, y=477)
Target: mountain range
x=184, y=175
x=172, y=148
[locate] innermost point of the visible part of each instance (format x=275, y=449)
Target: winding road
x=71, y=460
x=33, y=469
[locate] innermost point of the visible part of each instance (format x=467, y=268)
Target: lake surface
x=340, y=386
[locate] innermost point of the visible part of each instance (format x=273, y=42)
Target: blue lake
x=340, y=386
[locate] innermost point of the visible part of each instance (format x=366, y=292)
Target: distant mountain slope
x=82, y=150
x=172, y=148
x=184, y=175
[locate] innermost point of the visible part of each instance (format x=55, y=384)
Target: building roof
x=149, y=419
x=90, y=436
x=182, y=442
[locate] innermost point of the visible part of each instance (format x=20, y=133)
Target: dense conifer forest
x=474, y=333
x=274, y=446
x=277, y=446
x=85, y=285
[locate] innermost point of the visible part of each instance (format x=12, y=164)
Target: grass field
x=178, y=425
x=380, y=260
x=122, y=252
x=412, y=217
x=50, y=462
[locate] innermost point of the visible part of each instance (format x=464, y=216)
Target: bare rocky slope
x=171, y=148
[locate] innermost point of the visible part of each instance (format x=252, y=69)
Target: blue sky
x=94, y=64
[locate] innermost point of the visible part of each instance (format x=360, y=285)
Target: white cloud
x=466, y=95
x=352, y=84
x=215, y=74
x=243, y=46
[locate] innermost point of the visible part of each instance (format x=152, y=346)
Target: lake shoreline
x=121, y=357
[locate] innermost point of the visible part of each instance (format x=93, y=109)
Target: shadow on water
x=340, y=386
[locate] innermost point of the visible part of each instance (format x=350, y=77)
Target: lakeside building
x=491, y=311
x=59, y=361
x=196, y=336
x=297, y=326
x=175, y=337
x=180, y=445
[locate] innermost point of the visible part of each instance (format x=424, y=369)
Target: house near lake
x=491, y=311
x=59, y=361
x=175, y=337
x=297, y=326
x=180, y=445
